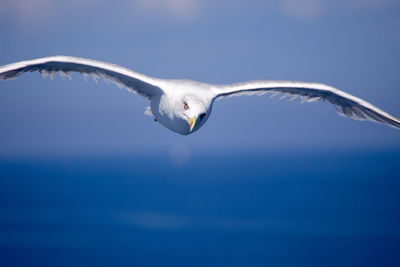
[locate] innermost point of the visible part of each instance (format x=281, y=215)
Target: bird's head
x=194, y=111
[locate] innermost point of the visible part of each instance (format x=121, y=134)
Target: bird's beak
x=191, y=122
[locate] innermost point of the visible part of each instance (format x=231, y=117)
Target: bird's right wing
x=65, y=66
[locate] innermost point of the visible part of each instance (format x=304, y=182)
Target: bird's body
x=167, y=107
x=183, y=106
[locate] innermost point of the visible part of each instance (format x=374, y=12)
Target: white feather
x=345, y=104
x=64, y=65
x=148, y=112
x=170, y=92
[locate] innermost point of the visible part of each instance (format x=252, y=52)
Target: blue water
x=244, y=209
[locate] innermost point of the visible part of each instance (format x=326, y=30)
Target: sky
x=351, y=45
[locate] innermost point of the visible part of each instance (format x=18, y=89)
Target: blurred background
x=87, y=179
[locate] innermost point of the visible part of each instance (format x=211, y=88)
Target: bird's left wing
x=65, y=66
x=345, y=104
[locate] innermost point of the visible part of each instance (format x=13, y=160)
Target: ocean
x=321, y=208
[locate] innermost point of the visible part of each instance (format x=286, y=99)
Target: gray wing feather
x=345, y=104
x=65, y=66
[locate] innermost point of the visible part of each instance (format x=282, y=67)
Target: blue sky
x=352, y=45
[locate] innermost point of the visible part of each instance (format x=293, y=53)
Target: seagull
x=182, y=105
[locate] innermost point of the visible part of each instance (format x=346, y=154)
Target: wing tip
x=365, y=114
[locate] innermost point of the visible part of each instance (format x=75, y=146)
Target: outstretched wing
x=65, y=66
x=345, y=104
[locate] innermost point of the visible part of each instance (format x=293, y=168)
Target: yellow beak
x=191, y=122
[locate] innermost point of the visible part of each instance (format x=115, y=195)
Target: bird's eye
x=202, y=115
x=185, y=105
